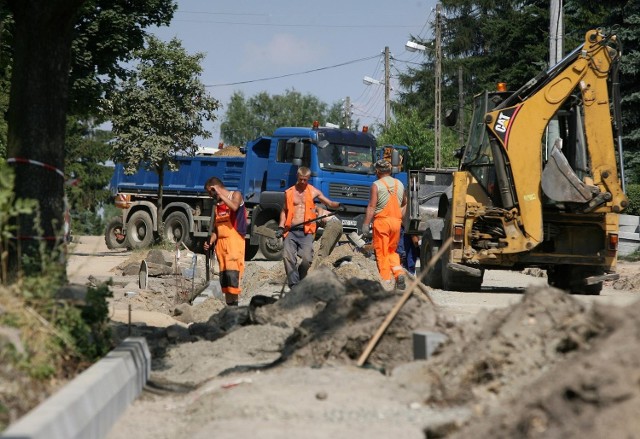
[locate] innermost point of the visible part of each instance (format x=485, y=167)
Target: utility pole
x=347, y=113
x=460, y=108
x=555, y=55
x=387, y=89
x=438, y=91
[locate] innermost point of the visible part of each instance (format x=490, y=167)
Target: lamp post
x=412, y=46
x=367, y=80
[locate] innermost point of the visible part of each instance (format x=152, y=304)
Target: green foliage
x=106, y=36
x=87, y=222
x=633, y=193
x=10, y=209
x=411, y=130
x=160, y=110
x=89, y=327
x=86, y=151
x=261, y=114
x=508, y=41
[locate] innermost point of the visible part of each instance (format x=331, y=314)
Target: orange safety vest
x=309, y=209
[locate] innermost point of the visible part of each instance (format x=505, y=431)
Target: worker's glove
x=341, y=208
x=366, y=231
x=279, y=232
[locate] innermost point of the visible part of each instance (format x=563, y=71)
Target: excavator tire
x=430, y=247
x=456, y=280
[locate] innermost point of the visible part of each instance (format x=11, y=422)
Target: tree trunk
x=159, y=204
x=37, y=114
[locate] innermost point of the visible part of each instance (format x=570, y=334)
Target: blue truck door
x=282, y=172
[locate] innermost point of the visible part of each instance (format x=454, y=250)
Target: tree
x=37, y=110
x=160, y=110
x=37, y=39
x=508, y=41
x=86, y=152
x=261, y=114
x=410, y=129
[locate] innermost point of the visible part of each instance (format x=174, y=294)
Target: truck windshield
x=345, y=158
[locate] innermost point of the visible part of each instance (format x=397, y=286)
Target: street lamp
x=387, y=87
x=412, y=46
x=368, y=80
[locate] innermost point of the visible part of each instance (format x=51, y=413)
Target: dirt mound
x=589, y=390
x=334, y=321
x=229, y=151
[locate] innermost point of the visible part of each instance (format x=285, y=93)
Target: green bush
x=633, y=193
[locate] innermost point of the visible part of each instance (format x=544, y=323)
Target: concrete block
x=425, y=342
x=90, y=404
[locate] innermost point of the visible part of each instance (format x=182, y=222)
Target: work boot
x=401, y=283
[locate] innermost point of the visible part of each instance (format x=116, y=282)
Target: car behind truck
x=341, y=167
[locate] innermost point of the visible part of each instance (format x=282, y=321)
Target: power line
x=294, y=74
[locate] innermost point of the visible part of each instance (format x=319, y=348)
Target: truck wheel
x=456, y=280
x=271, y=248
x=140, y=230
x=176, y=229
x=250, y=251
x=114, y=235
x=429, y=248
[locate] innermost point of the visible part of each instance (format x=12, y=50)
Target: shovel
x=270, y=233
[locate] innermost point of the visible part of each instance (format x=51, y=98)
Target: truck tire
x=140, y=230
x=456, y=280
x=114, y=235
x=429, y=248
x=176, y=229
x=271, y=248
x=250, y=251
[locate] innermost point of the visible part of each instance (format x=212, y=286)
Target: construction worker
x=229, y=229
x=387, y=199
x=299, y=207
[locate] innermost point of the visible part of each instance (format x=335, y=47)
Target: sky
x=322, y=48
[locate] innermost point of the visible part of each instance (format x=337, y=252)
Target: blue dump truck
x=341, y=167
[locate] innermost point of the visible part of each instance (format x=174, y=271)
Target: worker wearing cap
x=299, y=207
x=387, y=198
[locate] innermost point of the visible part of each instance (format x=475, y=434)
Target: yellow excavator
x=525, y=195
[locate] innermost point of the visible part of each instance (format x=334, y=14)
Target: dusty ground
x=545, y=364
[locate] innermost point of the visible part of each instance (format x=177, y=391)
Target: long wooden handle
x=394, y=311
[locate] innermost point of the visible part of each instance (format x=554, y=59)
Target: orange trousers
x=386, y=234
x=230, y=255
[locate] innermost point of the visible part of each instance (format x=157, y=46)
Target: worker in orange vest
x=299, y=208
x=387, y=198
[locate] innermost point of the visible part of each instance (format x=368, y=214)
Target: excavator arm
x=517, y=126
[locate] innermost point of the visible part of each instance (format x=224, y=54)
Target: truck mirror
x=298, y=151
x=395, y=158
x=296, y=162
x=450, y=118
x=458, y=153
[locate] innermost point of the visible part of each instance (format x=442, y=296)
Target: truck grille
x=354, y=192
